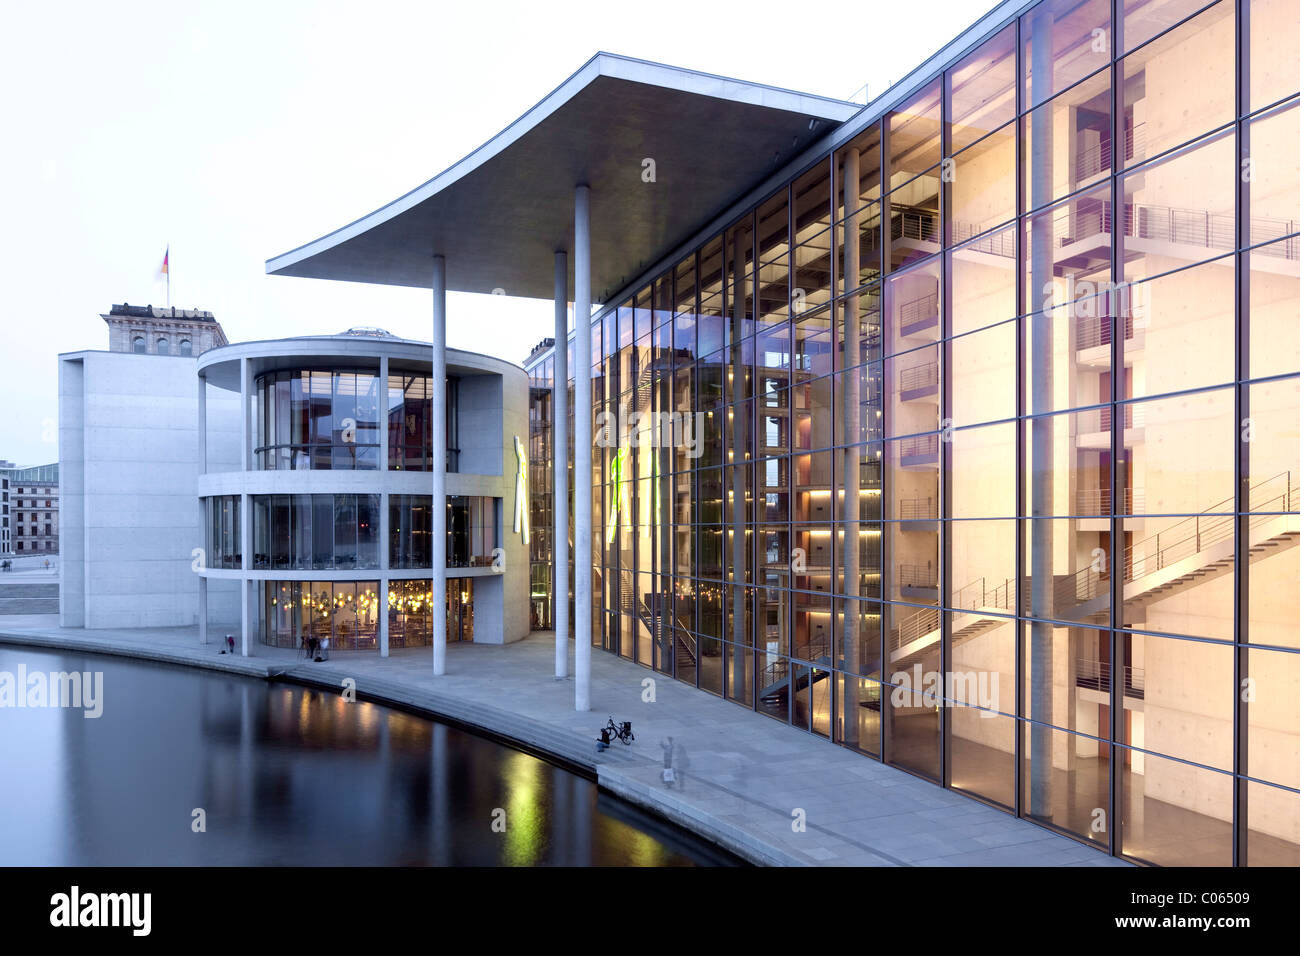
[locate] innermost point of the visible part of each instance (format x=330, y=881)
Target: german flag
x=166, y=255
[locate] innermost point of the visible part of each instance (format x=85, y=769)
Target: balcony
x=918, y=582
x=918, y=452
x=919, y=514
x=1095, y=675
x=1096, y=159
x=1096, y=501
x=918, y=315
x=918, y=382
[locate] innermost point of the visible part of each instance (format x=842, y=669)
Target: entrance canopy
x=500, y=214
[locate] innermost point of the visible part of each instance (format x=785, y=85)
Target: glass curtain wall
x=315, y=532
x=317, y=419
x=410, y=422
x=908, y=476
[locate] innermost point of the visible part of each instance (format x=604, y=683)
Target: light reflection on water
x=287, y=775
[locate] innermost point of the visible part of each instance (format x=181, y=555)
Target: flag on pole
x=165, y=270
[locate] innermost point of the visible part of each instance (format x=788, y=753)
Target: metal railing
x=918, y=509
x=910, y=224
x=1096, y=501
x=1180, y=540
x=1000, y=243
x=1097, y=159
x=1093, y=330
x=1133, y=416
x=924, y=308
x=1095, y=675
x=1194, y=227
x=919, y=376
x=916, y=576
x=981, y=594
x=919, y=446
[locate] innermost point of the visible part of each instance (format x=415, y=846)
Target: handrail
x=922, y=308
x=918, y=376
x=918, y=509
x=1198, y=531
x=1095, y=159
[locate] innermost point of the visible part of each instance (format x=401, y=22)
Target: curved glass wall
x=473, y=531
x=410, y=422
x=222, y=532
x=337, y=615
x=315, y=532
x=317, y=419
x=410, y=618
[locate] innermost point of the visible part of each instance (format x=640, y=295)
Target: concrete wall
x=128, y=430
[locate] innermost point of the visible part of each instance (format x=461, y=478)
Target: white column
x=385, y=529
x=203, y=424
x=203, y=609
x=439, y=450
x=560, y=457
x=246, y=509
x=581, y=449
x=246, y=414
x=383, y=617
x=203, y=510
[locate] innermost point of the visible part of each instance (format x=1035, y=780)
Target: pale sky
x=236, y=131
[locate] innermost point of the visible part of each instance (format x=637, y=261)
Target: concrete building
x=148, y=330
x=34, y=509
x=128, y=457
x=956, y=429
x=324, y=523
x=5, y=545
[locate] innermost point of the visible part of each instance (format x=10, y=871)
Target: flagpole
x=168, y=259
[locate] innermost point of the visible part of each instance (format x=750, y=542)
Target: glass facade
x=317, y=419
x=972, y=447
x=315, y=532
x=473, y=530
x=329, y=419
x=410, y=422
x=344, y=615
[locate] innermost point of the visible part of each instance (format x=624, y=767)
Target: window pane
x=1180, y=86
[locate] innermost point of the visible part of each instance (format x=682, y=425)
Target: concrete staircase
x=29, y=597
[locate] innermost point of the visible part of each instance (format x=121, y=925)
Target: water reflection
x=288, y=775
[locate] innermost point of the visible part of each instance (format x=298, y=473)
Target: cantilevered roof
x=499, y=214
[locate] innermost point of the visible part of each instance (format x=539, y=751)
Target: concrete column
x=383, y=617
x=382, y=400
x=203, y=610
x=581, y=449
x=560, y=457
x=245, y=412
x=203, y=424
x=246, y=609
x=248, y=613
x=203, y=511
x=852, y=413
x=439, y=450
x=385, y=528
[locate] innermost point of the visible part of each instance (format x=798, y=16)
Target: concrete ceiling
x=499, y=215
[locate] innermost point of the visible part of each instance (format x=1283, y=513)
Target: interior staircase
x=1182, y=556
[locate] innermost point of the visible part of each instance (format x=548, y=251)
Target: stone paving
x=742, y=776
